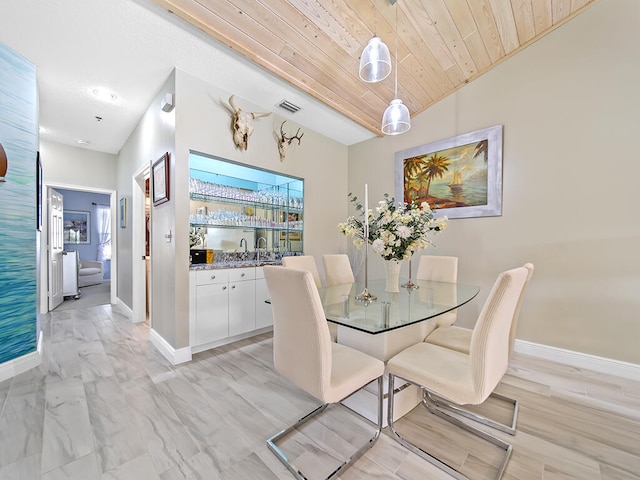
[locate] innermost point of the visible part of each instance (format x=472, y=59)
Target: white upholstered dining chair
x=439, y=269
x=459, y=339
x=308, y=263
x=337, y=269
x=463, y=379
x=303, y=262
x=304, y=354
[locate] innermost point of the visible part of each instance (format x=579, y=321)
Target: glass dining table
x=392, y=310
x=388, y=325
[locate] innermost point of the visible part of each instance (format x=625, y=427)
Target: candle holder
x=410, y=285
x=366, y=296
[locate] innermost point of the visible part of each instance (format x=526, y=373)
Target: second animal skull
x=284, y=141
x=242, y=124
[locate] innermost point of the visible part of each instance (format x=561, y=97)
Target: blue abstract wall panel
x=19, y=137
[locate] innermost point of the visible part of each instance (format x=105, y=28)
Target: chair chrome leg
x=476, y=431
x=430, y=458
x=451, y=407
x=417, y=450
x=271, y=443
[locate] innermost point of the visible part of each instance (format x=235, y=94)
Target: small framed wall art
x=76, y=226
x=123, y=212
x=160, y=180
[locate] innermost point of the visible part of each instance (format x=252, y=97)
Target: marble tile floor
x=105, y=405
x=91, y=295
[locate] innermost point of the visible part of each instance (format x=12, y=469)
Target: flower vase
x=392, y=276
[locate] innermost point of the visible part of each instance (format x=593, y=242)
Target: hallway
x=90, y=296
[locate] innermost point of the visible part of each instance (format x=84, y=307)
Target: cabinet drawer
x=207, y=277
x=239, y=274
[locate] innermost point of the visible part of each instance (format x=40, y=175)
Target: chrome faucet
x=258, y=247
x=243, y=240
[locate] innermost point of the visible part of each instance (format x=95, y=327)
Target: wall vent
x=287, y=105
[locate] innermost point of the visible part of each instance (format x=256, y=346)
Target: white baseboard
x=21, y=364
x=174, y=356
x=580, y=360
x=121, y=304
x=228, y=340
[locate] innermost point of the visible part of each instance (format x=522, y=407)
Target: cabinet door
x=242, y=307
x=264, y=316
x=212, y=313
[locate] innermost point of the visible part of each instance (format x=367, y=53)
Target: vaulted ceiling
x=315, y=45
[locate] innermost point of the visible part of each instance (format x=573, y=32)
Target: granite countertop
x=234, y=264
x=240, y=260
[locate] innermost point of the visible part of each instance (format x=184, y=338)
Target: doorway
x=141, y=258
x=48, y=263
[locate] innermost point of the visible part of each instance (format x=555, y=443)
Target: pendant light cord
x=375, y=25
x=396, y=90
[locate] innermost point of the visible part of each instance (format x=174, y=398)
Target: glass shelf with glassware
x=239, y=205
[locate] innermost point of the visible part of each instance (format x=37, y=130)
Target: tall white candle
x=366, y=206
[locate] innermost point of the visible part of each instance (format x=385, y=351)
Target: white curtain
x=104, y=232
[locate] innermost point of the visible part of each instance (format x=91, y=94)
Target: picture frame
x=76, y=227
x=123, y=212
x=460, y=177
x=38, y=193
x=160, y=180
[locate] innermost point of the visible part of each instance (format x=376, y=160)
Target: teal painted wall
x=18, y=265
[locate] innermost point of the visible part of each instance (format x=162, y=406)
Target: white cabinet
x=211, y=306
x=264, y=317
x=242, y=300
x=223, y=306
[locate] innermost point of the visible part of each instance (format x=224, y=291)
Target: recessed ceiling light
x=104, y=95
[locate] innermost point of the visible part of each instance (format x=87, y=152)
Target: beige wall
x=202, y=123
x=152, y=137
x=569, y=105
x=62, y=164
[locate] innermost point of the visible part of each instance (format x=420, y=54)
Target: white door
x=55, y=247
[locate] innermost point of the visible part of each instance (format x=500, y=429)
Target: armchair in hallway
x=90, y=272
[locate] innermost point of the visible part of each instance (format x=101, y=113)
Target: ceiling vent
x=287, y=105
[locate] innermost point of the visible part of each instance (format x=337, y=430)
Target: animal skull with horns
x=284, y=141
x=242, y=124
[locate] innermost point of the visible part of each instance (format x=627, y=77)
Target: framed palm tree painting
x=458, y=177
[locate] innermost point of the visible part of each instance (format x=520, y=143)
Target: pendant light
x=396, y=118
x=375, y=61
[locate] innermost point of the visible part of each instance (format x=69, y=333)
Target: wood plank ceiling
x=315, y=45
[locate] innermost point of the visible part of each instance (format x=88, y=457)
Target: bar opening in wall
x=237, y=208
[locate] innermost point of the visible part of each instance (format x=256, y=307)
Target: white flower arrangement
x=396, y=231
